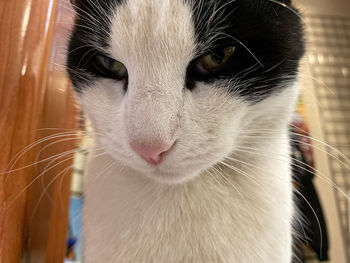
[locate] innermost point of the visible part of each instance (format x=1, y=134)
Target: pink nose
x=152, y=154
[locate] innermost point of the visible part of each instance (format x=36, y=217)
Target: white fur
x=190, y=208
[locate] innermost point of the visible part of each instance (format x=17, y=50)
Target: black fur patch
x=269, y=44
x=267, y=35
x=92, y=24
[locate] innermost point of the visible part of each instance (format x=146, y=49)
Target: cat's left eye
x=213, y=62
x=110, y=68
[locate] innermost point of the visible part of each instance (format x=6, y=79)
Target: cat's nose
x=153, y=153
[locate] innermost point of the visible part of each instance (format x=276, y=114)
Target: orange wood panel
x=27, y=90
x=48, y=213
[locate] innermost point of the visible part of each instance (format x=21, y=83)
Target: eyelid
x=105, y=57
x=226, y=51
x=217, y=48
x=102, y=64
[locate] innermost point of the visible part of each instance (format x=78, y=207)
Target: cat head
x=174, y=86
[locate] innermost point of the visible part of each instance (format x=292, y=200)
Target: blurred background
x=325, y=87
x=40, y=218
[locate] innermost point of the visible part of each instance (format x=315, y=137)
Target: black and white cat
x=190, y=101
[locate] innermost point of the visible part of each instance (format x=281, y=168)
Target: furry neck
x=222, y=215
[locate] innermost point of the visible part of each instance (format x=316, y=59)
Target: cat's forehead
x=140, y=27
x=209, y=20
x=166, y=37
x=141, y=20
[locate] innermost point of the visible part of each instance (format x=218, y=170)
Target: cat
x=190, y=102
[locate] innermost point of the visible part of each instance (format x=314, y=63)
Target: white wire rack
x=329, y=58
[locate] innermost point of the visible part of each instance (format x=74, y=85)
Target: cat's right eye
x=213, y=62
x=110, y=68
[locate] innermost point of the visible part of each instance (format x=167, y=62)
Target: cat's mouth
x=170, y=171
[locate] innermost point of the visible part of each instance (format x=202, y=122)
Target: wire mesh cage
x=328, y=56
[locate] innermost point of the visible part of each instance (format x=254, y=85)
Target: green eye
x=213, y=62
x=110, y=68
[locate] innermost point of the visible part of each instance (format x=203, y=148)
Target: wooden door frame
x=32, y=96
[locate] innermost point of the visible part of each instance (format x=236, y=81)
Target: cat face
x=173, y=86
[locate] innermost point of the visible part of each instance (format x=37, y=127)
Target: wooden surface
x=47, y=212
x=32, y=96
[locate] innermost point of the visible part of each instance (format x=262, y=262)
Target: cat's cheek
x=102, y=102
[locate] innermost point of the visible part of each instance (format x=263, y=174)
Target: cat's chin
x=159, y=174
x=171, y=178
x=163, y=176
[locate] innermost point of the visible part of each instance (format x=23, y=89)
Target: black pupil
x=218, y=57
x=109, y=62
